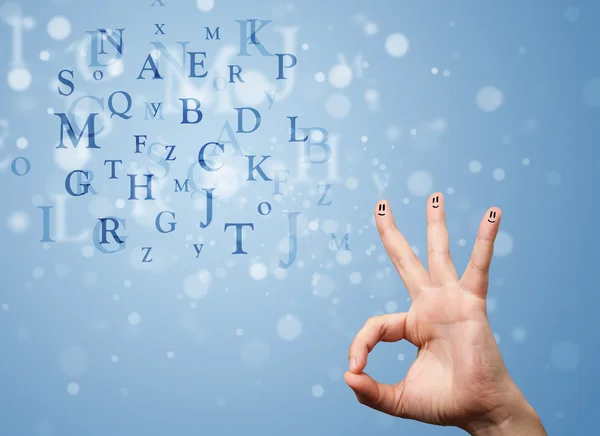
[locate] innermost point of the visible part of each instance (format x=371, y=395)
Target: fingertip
x=493, y=216
x=383, y=216
x=358, y=382
x=359, y=349
x=356, y=364
x=353, y=381
x=439, y=195
x=382, y=208
x=435, y=204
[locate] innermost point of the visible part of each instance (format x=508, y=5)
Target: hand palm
x=458, y=366
x=458, y=372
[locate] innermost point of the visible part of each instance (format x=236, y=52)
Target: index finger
x=383, y=328
x=408, y=265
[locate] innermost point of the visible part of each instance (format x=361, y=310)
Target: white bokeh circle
x=205, y=5
x=340, y=76
x=59, y=28
x=396, y=45
x=338, y=106
x=489, y=99
x=289, y=327
x=420, y=183
x=19, y=79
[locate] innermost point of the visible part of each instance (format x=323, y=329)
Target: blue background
x=98, y=344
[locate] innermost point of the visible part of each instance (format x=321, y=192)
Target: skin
x=458, y=378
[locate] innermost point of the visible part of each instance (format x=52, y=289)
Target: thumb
x=383, y=397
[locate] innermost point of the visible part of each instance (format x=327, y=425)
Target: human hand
x=458, y=377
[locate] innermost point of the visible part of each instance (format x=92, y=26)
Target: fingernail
x=352, y=363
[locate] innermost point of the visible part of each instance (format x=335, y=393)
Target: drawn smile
x=381, y=209
x=435, y=202
x=492, y=215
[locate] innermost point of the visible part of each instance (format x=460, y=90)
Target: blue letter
x=293, y=131
x=252, y=38
x=85, y=186
x=67, y=82
x=186, y=110
x=209, y=208
x=113, y=167
x=148, y=250
x=179, y=187
x=252, y=167
x=100, y=229
x=293, y=239
x=152, y=68
x=201, y=159
x=138, y=142
x=323, y=144
x=46, y=223
x=281, y=66
x=111, y=107
x=320, y=203
x=113, y=232
x=14, y=169
x=236, y=74
x=238, y=235
x=154, y=109
x=240, y=111
x=212, y=35
x=171, y=224
x=335, y=246
x=233, y=140
x=148, y=186
x=66, y=125
x=193, y=64
x=279, y=181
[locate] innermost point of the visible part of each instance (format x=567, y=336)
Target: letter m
x=65, y=126
x=212, y=35
x=333, y=244
x=179, y=187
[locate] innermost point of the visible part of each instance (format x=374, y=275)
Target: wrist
x=515, y=417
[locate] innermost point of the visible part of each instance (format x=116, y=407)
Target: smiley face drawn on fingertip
x=381, y=209
x=492, y=218
x=435, y=202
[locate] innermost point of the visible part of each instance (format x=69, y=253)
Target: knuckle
x=403, y=263
x=443, y=255
x=480, y=267
x=484, y=238
x=371, y=323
